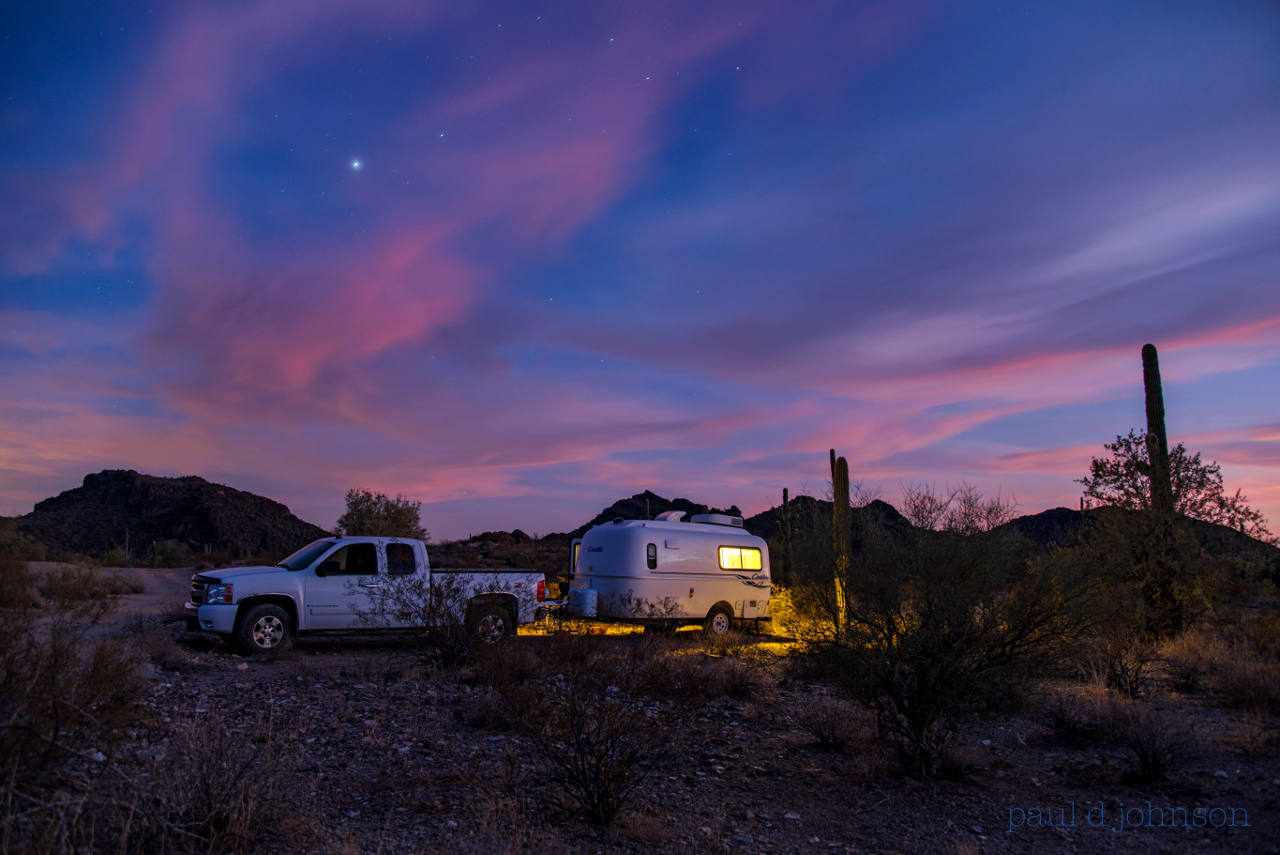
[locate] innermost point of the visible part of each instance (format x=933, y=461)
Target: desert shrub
x=1189, y=656
x=1156, y=742
x=803, y=611
x=1155, y=562
x=84, y=584
x=832, y=722
x=17, y=586
x=1077, y=718
x=598, y=736
x=156, y=642
x=1122, y=662
x=235, y=794
x=1247, y=681
x=65, y=700
x=14, y=544
x=172, y=553
x=943, y=624
x=1240, y=674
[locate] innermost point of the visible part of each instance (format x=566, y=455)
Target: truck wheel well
x=503, y=601
x=280, y=600
x=722, y=605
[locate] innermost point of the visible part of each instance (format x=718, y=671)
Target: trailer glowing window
x=739, y=558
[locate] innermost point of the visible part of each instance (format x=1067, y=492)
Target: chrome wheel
x=491, y=629
x=268, y=631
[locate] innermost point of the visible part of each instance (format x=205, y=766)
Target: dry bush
x=1240, y=675
x=1155, y=741
x=943, y=625
x=597, y=734
x=17, y=585
x=84, y=584
x=1076, y=718
x=833, y=723
x=65, y=703
x=1189, y=656
x=803, y=612
x=157, y=643
x=1120, y=662
x=1244, y=680
x=210, y=789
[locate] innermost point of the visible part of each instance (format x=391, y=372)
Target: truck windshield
x=304, y=556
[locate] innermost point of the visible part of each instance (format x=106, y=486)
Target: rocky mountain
x=203, y=517
x=148, y=510
x=644, y=506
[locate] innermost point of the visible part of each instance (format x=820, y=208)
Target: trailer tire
x=490, y=624
x=718, y=623
x=264, y=629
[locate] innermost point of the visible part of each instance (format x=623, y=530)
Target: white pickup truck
x=349, y=584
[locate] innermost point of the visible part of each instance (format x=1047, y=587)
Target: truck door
x=338, y=588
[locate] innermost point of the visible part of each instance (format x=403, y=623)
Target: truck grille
x=198, y=586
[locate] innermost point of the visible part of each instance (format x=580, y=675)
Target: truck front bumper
x=219, y=618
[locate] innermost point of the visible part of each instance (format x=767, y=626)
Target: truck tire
x=718, y=623
x=490, y=624
x=264, y=629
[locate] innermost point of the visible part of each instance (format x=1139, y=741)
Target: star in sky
x=356, y=164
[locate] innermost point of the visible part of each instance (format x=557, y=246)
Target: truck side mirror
x=327, y=567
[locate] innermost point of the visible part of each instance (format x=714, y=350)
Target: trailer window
x=740, y=558
x=651, y=555
x=400, y=559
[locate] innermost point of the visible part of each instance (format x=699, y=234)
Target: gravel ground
x=379, y=752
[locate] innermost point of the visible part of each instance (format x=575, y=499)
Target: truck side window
x=651, y=555
x=356, y=559
x=400, y=559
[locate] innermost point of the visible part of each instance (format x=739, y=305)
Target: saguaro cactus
x=786, y=531
x=1157, y=441
x=840, y=546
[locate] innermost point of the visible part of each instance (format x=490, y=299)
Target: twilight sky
x=517, y=261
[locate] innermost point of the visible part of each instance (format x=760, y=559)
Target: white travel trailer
x=666, y=572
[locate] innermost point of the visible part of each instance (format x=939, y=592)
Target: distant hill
x=95, y=517
x=646, y=506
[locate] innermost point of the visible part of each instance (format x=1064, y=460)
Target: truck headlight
x=217, y=594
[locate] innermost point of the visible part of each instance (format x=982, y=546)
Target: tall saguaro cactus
x=786, y=531
x=840, y=532
x=1157, y=441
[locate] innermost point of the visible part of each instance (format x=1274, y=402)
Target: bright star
x=357, y=165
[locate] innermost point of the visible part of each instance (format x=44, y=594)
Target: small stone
x=97, y=757
x=976, y=829
x=705, y=830
x=815, y=839
x=791, y=815
x=243, y=666
x=986, y=742
x=1221, y=773
x=451, y=824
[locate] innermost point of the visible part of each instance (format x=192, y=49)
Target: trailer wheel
x=264, y=629
x=718, y=623
x=489, y=624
